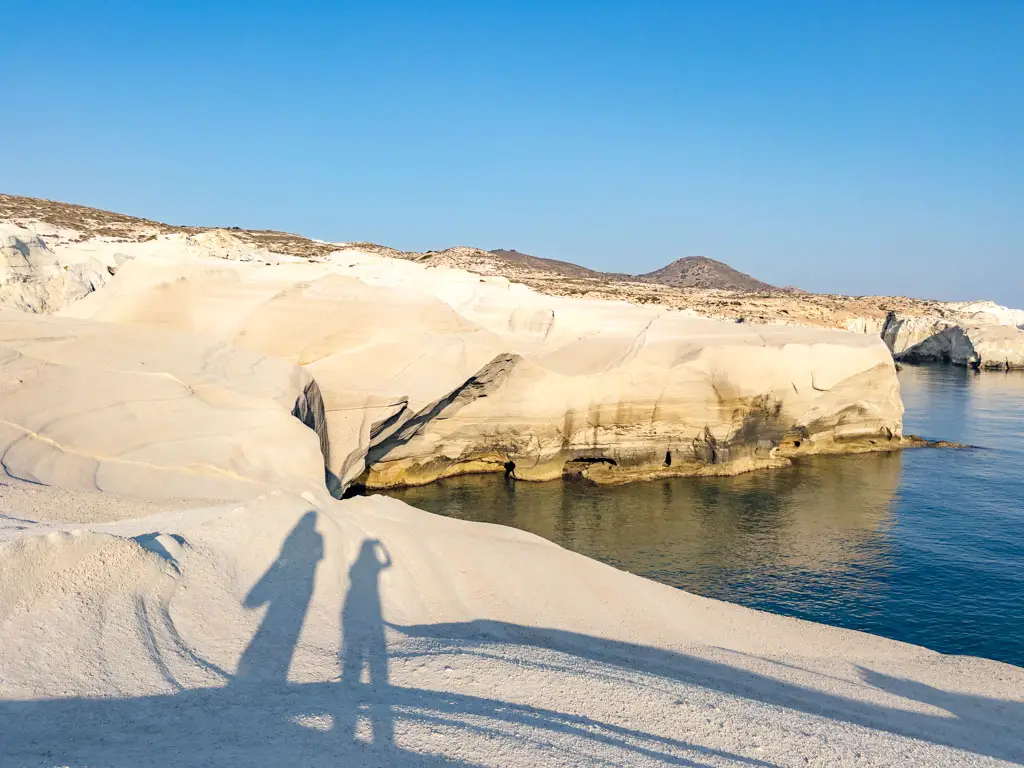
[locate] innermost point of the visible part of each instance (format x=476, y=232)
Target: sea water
x=924, y=546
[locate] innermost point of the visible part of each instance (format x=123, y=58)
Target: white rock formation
x=992, y=347
x=865, y=325
x=290, y=627
x=989, y=313
x=220, y=243
x=986, y=338
x=687, y=397
x=377, y=353
x=33, y=278
x=495, y=373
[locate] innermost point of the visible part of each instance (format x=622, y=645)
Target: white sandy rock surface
x=78, y=235
x=34, y=278
x=308, y=631
x=100, y=406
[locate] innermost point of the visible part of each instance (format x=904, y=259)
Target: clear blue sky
x=856, y=147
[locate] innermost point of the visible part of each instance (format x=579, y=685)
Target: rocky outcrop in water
x=424, y=371
x=976, y=340
x=728, y=404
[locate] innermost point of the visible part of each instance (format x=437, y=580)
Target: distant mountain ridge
x=679, y=285
x=687, y=272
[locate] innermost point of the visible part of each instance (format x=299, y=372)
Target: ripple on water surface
x=926, y=546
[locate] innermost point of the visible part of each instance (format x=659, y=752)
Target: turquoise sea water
x=925, y=546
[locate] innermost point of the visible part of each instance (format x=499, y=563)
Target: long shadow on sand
x=985, y=726
x=260, y=719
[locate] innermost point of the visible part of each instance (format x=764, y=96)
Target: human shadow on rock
x=286, y=589
x=363, y=645
x=1004, y=719
x=259, y=718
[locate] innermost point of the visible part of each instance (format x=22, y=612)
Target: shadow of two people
x=287, y=589
x=260, y=718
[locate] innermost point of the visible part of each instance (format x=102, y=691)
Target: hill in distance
x=702, y=272
x=687, y=272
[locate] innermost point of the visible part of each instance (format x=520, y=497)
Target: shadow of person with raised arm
x=286, y=588
x=363, y=646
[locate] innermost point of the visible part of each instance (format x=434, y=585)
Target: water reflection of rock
x=822, y=515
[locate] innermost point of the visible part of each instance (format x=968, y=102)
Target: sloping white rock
x=45, y=269
x=989, y=313
x=692, y=397
x=378, y=353
x=904, y=335
x=150, y=413
x=220, y=243
x=297, y=628
x=990, y=346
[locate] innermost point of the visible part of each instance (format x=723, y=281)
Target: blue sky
x=855, y=147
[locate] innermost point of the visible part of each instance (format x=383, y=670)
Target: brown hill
x=702, y=272
x=687, y=272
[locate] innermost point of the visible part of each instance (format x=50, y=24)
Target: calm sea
x=925, y=546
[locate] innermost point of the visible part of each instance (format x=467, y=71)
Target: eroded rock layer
x=673, y=407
